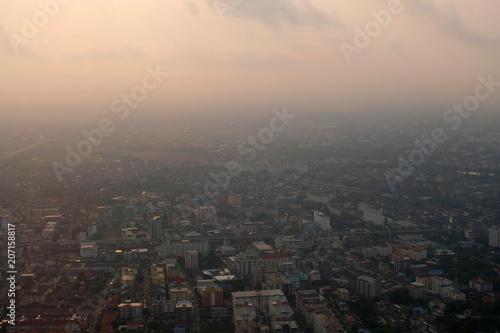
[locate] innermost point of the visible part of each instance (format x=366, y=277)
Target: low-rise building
x=89, y=250
x=417, y=253
x=191, y=259
x=481, y=285
x=244, y=316
x=244, y=262
x=418, y=290
x=343, y=294
x=368, y=287
x=179, y=294
x=129, y=310
x=184, y=312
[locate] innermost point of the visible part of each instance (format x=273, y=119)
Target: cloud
x=24, y=51
x=134, y=52
x=120, y=54
x=447, y=18
x=276, y=13
x=398, y=48
x=192, y=7
x=5, y=44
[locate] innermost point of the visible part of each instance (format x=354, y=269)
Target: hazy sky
x=262, y=54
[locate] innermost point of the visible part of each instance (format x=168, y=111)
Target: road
x=40, y=141
x=257, y=237
x=147, y=289
x=197, y=308
x=303, y=235
x=100, y=305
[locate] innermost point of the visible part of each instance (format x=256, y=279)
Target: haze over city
x=249, y=166
x=246, y=57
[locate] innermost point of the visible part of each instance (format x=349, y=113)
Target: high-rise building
x=417, y=253
x=418, y=290
x=89, y=250
x=322, y=220
x=368, y=286
x=260, y=299
x=191, y=259
x=205, y=213
x=481, y=285
x=439, y=285
x=494, y=235
x=343, y=294
x=244, y=317
x=259, y=273
x=180, y=248
x=130, y=310
x=384, y=251
x=234, y=199
x=324, y=321
x=212, y=296
x=184, y=312
x=370, y=214
x=271, y=304
x=154, y=226
x=424, y=279
x=179, y=294
x=455, y=295
x=402, y=264
x=244, y=262
x=39, y=212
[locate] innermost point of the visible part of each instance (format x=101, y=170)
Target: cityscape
x=306, y=237
x=250, y=166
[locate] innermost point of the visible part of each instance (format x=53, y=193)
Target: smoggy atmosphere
x=249, y=166
x=243, y=56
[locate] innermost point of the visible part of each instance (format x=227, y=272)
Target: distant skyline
x=262, y=54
